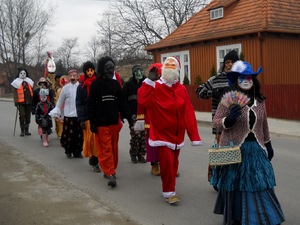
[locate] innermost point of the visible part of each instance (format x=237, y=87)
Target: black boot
x=22, y=130
x=26, y=130
x=112, y=181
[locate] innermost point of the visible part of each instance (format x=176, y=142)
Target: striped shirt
x=214, y=88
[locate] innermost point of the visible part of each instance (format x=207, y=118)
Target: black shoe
x=27, y=133
x=106, y=176
x=22, y=134
x=134, y=159
x=141, y=159
x=112, y=181
x=69, y=156
x=77, y=155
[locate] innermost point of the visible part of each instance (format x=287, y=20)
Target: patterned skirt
x=247, y=189
x=72, y=137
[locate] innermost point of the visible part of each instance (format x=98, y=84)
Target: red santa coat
x=171, y=113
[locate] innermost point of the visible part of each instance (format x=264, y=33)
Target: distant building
x=266, y=32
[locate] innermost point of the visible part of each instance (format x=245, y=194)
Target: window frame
x=226, y=49
x=216, y=13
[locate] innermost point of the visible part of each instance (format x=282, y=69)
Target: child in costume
x=42, y=118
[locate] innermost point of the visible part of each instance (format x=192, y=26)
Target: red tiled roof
x=240, y=17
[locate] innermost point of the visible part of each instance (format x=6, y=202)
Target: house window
x=216, y=13
x=223, y=50
x=184, y=58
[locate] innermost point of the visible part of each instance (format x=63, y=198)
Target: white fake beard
x=170, y=75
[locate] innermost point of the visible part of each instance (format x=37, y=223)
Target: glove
x=93, y=128
x=235, y=112
x=269, y=150
x=152, y=76
x=82, y=125
x=139, y=125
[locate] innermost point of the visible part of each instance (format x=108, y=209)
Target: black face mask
x=109, y=69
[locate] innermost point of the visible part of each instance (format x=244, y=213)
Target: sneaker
x=112, y=181
x=141, y=159
x=96, y=168
x=172, y=200
x=134, y=159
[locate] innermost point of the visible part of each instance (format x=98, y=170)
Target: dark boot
x=141, y=159
x=112, y=181
x=26, y=130
x=22, y=131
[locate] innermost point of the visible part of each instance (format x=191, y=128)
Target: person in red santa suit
x=172, y=113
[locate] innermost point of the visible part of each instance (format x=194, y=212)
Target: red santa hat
x=175, y=59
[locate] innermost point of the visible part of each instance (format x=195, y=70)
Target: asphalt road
x=137, y=198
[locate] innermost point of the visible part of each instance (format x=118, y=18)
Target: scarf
x=86, y=82
x=45, y=108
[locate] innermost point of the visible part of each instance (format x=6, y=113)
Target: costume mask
x=44, y=94
x=43, y=98
x=22, y=74
x=90, y=72
x=245, y=82
x=170, y=64
x=138, y=73
x=109, y=69
x=73, y=77
x=170, y=75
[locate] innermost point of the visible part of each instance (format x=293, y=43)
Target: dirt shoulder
x=30, y=194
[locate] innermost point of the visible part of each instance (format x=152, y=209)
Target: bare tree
x=68, y=53
x=20, y=22
x=93, y=49
x=134, y=24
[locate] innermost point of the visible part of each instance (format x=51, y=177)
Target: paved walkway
x=276, y=126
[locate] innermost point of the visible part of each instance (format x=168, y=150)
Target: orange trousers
x=89, y=142
x=107, y=139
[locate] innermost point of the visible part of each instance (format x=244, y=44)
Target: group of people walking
x=159, y=112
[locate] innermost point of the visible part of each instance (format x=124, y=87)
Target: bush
x=198, y=80
x=186, y=80
x=213, y=71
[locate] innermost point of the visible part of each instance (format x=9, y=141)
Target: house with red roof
x=265, y=32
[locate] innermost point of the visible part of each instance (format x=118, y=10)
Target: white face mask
x=22, y=74
x=43, y=98
x=245, y=83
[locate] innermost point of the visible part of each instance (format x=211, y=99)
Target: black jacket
x=130, y=90
x=105, y=102
x=81, y=103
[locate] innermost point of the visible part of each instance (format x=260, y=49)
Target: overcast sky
x=75, y=18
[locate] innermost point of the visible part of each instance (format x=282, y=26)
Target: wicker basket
x=224, y=155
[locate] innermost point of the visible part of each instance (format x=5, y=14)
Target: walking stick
x=16, y=120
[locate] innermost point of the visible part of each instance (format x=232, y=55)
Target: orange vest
x=20, y=93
